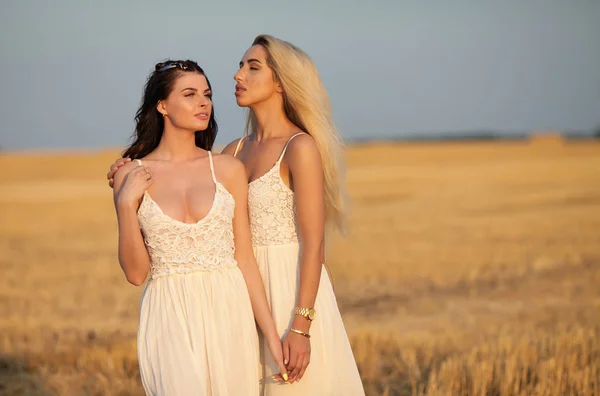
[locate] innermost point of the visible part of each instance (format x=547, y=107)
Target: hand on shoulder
x=123, y=171
x=131, y=183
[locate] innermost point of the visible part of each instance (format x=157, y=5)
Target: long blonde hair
x=307, y=105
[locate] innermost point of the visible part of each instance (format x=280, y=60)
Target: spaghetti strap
x=212, y=168
x=139, y=161
x=238, y=146
x=286, y=146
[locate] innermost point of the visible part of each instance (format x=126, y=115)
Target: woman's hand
x=114, y=169
x=276, y=349
x=296, y=353
x=134, y=185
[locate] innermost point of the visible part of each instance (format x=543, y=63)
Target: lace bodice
x=272, y=208
x=178, y=248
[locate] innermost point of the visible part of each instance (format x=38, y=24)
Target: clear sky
x=72, y=71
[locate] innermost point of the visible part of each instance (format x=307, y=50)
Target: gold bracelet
x=300, y=332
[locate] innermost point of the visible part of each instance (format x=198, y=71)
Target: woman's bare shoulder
x=228, y=167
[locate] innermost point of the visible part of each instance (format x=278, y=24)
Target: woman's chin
x=240, y=102
x=200, y=126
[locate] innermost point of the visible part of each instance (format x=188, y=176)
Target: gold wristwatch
x=308, y=313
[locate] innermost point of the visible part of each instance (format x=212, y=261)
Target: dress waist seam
x=277, y=245
x=190, y=271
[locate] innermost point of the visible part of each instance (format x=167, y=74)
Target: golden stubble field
x=468, y=269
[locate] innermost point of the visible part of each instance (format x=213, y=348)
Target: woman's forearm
x=258, y=299
x=133, y=256
x=311, y=265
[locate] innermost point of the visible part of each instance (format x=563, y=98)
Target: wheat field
x=469, y=268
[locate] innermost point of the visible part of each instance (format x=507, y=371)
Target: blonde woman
x=292, y=153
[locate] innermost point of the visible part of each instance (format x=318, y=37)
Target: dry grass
x=469, y=269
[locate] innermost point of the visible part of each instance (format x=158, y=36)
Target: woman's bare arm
x=130, y=184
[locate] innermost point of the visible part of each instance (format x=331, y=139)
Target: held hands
x=275, y=347
x=134, y=185
x=296, y=349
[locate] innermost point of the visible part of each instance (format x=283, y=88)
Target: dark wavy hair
x=149, y=122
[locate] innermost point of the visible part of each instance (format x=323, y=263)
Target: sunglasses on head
x=172, y=64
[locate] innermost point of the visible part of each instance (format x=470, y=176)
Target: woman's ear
x=278, y=87
x=161, y=108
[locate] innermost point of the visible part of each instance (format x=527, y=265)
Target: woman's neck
x=176, y=145
x=271, y=120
